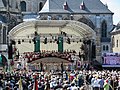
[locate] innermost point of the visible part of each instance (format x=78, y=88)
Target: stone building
x=10, y=16
x=115, y=39
x=79, y=19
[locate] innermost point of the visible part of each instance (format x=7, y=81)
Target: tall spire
x=65, y=6
x=46, y=6
x=82, y=5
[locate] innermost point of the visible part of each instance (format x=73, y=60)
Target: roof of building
x=74, y=6
x=118, y=25
x=116, y=29
x=29, y=16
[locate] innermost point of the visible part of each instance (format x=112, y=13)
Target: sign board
x=111, y=60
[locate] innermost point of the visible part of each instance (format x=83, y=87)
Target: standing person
x=87, y=66
x=80, y=80
x=19, y=66
x=72, y=75
x=73, y=87
x=35, y=87
x=96, y=85
x=101, y=82
x=107, y=85
x=20, y=84
x=84, y=66
x=1, y=83
x=119, y=84
x=65, y=76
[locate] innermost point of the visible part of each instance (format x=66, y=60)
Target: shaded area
x=3, y=18
x=3, y=61
x=96, y=65
x=5, y=3
x=50, y=60
x=32, y=56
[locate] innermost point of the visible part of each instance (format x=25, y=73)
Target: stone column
x=98, y=46
x=98, y=39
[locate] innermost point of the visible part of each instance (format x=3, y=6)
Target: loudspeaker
x=10, y=51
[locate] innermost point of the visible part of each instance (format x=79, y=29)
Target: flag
x=0, y=59
x=3, y=60
x=20, y=84
x=35, y=87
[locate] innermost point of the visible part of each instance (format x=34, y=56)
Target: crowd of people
x=73, y=80
x=32, y=56
x=83, y=78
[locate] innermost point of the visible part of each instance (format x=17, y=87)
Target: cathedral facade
x=80, y=20
x=10, y=16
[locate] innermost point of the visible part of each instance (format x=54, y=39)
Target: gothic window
x=4, y=35
x=103, y=47
x=40, y=6
x=23, y=6
x=113, y=42
x=104, y=29
x=107, y=48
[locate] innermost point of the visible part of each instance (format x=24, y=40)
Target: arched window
x=103, y=47
x=104, y=29
x=117, y=43
x=4, y=35
x=40, y=6
x=23, y=6
x=113, y=42
x=107, y=48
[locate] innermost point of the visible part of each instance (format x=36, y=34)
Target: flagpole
x=20, y=84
